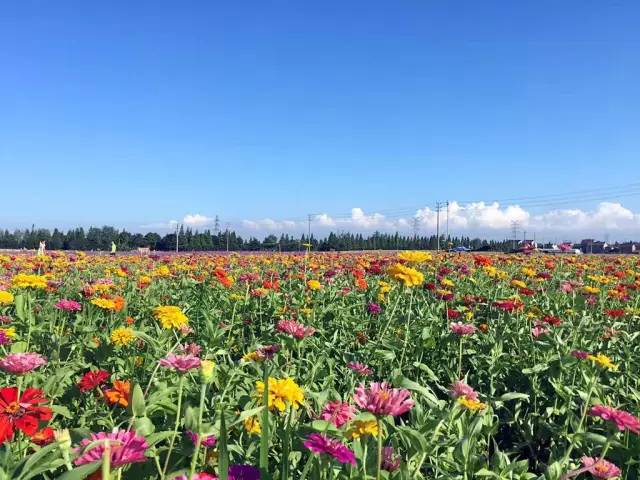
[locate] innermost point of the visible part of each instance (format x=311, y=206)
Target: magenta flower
x=382, y=400
x=538, y=330
x=4, y=338
x=295, y=329
x=462, y=329
x=21, y=363
x=360, y=368
x=68, y=305
x=198, y=476
x=180, y=363
x=390, y=459
x=623, y=420
x=126, y=448
x=338, y=413
x=321, y=444
x=207, y=441
x=579, y=354
x=374, y=308
x=600, y=468
x=461, y=389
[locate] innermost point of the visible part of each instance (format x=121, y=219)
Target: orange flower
x=129, y=320
x=119, y=394
x=118, y=301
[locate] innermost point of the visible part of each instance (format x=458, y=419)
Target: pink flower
x=622, y=419
x=180, y=363
x=579, y=354
x=382, y=400
x=68, y=305
x=360, y=368
x=295, y=329
x=191, y=349
x=4, y=338
x=338, y=413
x=461, y=389
x=198, y=476
x=461, y=329
x=207, y=441
x=390, y=459
x=126, y=448
x=566, y=287
x=600, y=468
x=21, y=363
x=539, y=329
x=321, y=444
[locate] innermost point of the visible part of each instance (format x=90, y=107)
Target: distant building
x=625, y=247
x=589, y=245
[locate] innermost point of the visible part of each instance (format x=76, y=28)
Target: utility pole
x=309, y=216
x=515, y=227
x=216, y=225
x=227, y=231
x=416, y=227
x=177, y=235
x=438, y=207
x=448, y=239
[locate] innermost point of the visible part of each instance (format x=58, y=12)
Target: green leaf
x=138, y=407
x=513, y=396
x=81, y=472
x=61, y=410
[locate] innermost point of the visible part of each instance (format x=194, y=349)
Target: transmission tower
x=416, y=227
x=216, y=225
x=515, y=228
x=438, y=208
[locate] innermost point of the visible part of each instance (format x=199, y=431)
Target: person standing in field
x=41, y=248
x=113, y=248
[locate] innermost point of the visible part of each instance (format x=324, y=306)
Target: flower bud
x=206, y=371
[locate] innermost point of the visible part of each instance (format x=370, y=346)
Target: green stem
x=264, y=438
x=194, y=459
x=106, y=461
x=176, y=426
x=379, y=459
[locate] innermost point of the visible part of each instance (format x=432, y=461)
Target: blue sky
x=136, y=113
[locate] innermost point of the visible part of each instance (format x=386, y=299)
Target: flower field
x=404, y=365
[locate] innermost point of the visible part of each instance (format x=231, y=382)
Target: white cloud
x=269, y=224
x=196, y=220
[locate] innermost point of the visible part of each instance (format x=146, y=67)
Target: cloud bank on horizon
x=490, y=220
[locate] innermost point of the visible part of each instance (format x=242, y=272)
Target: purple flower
x=126, y=448
x=21, y=363
x=374, y=308
x=321, y=444
x=4, y=338
x=360, y=368
x=180, y=363
x=207, y=441
x=580, y=354
x=68, y=305
x=243, y=472
x=390, y=459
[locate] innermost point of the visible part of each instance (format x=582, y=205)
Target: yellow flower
x=445, y=282
x=161, y=271
x=383, y=287
x=407, y=275
x=490, y=271
x=9, y=332
x=314, y=285
x=6, y=298
x=469, y=404
x=22, y=280
x=603, y=361
x=104, y=303
x=171, y=317
x=252, y=357
x=234, y=297
x=252, y=425
x=518, y=284
x=415, y=257
x=362, y=428
x=122, y=336
x=282, y=392
x=528, y=272
x=591, y=290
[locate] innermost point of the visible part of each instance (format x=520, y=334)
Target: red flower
x=23, y=413
x=92, y=380
x=43, y=437
x=615, y=313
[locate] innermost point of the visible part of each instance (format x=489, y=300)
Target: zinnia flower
x=623, y=420
x=43, y=437
x=461, y=389
x=282, y=392
x=362, y=428
x=171, y=317
x=122, y=336
x=295, y=329
x=360, y=368
x=390, y=459
x=180, y=363
x=603, y=361
x=462, y=329
x=410, y=277
x=24, y=413
x=68, y=305
x=119, y=394
x=126, y=447
x=93, y=379
x=21, y=363
x=320, y=444
x=338, y=413
x=374, y=308
x=470, y=404
x=600, y=468
x=415, y=257
x=207, y=441
x=6, y=298
x=23, y=280
x=381, y=400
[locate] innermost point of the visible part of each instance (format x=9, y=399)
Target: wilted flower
x=21, y=363
x=360, y=368
x=207, y=441
x=320, y=444
x=390, y=459
x=126, y=447
x=381, y=400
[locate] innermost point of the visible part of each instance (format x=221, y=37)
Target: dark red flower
x=551, y=320
x=23, y=413
x=615, y=313
x=92, y=380
x=43, y=437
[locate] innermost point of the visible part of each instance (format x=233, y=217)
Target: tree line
x=99, y=239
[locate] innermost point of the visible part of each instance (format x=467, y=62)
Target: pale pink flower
x=539, y=329
x=461, y=389
x=338, y=413
x=600, y=468
x=390, y=459
x=180, y=363
x=380, y=399
x=126, y=447
x=623, y=420
x=461, y=329
x=21, y=363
